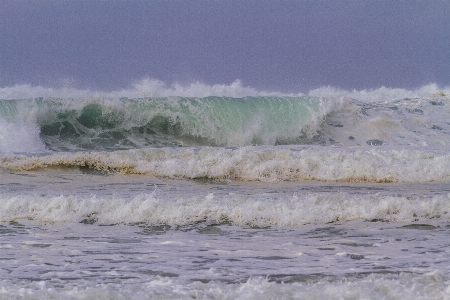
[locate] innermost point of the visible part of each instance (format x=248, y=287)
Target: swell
x=266, y=164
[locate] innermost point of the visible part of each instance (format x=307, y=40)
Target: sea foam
x=240, y=210
x=432, y=285
x=20, y=137
x=267, y=164
x=383, y=93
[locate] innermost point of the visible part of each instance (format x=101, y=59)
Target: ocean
x=242, y=195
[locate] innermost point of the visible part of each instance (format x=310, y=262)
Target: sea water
x=330, y=195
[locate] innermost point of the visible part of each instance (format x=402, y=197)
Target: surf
x=117, y=124
x=265, y=164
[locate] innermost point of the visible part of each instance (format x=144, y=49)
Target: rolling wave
x=240, y=210
x=115, y=124
x=98, y=124
x=267, y=164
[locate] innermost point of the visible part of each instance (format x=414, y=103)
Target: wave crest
x=147, y=87
x=383, y=93
x=150, y=87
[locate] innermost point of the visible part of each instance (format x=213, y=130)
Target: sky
x=291, y=46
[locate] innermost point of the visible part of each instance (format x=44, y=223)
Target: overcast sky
x=272, y=45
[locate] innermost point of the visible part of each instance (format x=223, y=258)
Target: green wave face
x=112, y=124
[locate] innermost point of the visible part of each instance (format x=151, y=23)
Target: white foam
x=267, y=164
x=20, y=137
x=381, y=94
x=406, y=122
x=433, y=285
x=241, y=210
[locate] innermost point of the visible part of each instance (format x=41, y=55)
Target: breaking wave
x=267, y=164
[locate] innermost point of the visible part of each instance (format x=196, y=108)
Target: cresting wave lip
x=240, y=210
x=150, y=87
x=141, y=89
x=266, y=164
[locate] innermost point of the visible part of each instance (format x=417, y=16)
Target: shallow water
x=53, y=248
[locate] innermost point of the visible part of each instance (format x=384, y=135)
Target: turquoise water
x=113, y=124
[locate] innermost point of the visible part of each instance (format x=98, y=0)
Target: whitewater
x=224, y=192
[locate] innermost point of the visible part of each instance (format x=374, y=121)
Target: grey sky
x=272, y=45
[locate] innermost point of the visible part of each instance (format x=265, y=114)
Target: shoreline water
x=358, y=208
x=83, y=257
